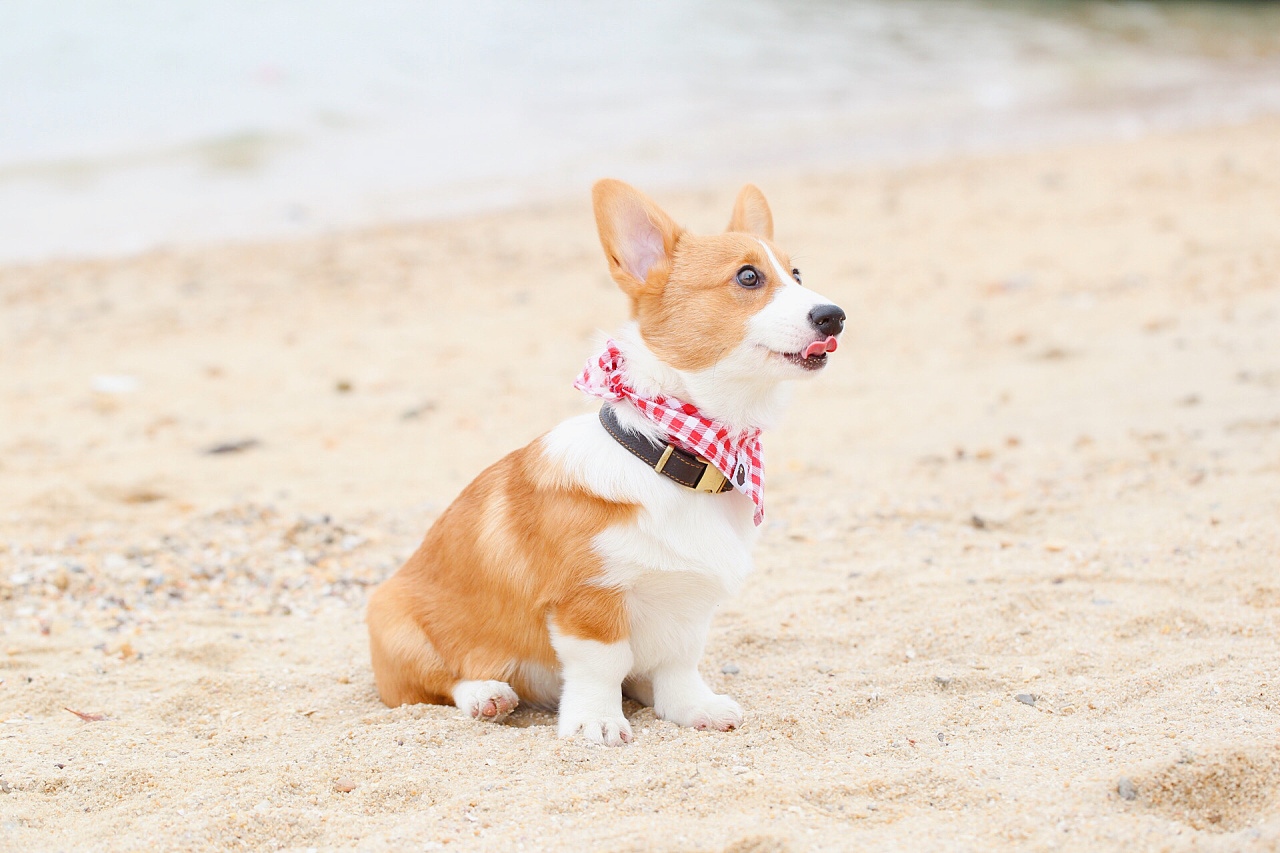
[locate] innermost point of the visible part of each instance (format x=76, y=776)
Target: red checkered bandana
x=737, y=458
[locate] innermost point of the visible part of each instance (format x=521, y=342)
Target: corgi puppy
x=587, y=564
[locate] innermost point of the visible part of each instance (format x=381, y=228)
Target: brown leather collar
x=692, y=472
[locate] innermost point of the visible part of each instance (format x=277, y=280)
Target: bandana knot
x=738, y=458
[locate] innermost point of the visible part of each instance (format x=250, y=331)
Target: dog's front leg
x=681, y=696
x=591, y=697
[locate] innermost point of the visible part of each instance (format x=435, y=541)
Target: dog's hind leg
x=406, y=667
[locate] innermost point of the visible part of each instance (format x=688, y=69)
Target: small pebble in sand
x=1124, y=787
x=344, y=785
x=1026, y=698
x=231, y=447
x=115, y=384
x=730, y=669
x=418, y=411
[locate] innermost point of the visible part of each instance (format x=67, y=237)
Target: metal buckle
x=666, y=454
x=711, y=480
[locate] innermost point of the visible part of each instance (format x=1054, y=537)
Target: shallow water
x=128, y=126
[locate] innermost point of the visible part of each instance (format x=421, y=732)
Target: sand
x=1019, y=585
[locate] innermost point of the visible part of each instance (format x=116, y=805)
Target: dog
x=587, y=564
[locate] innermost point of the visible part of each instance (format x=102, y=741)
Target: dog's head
x=732, y=302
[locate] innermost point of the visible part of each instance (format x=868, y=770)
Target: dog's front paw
x=715, y=712
x=610, y=731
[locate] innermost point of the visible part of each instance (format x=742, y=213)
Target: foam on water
x=126, y=126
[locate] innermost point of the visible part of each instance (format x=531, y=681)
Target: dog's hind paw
x=489, y=701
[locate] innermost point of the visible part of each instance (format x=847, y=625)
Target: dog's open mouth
x=814, y=355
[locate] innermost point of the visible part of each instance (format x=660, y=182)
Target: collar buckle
x=711, y=481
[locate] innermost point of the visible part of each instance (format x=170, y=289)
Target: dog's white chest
x=677, y=558
x=676, y=564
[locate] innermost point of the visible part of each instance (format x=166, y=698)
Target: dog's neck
x=741, y=401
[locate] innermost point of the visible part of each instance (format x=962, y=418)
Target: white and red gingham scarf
x=737, y=458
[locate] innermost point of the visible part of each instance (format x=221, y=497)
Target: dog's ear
x=751, y=213
x=638, y=238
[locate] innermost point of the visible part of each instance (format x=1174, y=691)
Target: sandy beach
x=1019, y=584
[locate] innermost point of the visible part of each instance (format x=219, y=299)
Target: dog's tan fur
x=473, y=602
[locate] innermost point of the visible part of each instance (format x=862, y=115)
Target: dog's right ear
x=638, y=238
x=751, y=214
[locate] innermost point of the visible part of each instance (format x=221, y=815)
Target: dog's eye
x=748, y=277
x=796, y=273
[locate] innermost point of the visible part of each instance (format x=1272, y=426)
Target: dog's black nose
x=828, y=319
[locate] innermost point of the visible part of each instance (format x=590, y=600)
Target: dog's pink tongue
x=819, y=347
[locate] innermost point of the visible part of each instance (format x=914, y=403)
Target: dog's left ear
x=751, y=213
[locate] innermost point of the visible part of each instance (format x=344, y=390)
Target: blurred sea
x=127, y=125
